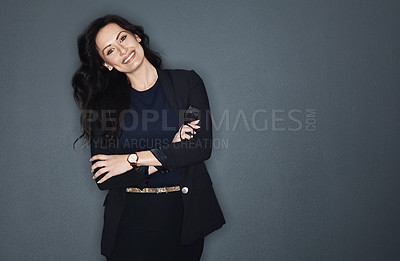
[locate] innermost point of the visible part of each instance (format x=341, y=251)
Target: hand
x=188, y=127
x=112, y=165
x=152, y=169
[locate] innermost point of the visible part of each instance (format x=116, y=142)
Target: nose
x=123, y=51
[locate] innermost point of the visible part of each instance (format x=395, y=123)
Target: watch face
x=132, y=158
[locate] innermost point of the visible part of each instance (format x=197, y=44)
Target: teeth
x=129, y=57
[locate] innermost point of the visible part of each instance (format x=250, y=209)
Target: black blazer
x=202, y=213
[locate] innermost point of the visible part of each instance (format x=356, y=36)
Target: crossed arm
x=180, y=152
x=112, y=165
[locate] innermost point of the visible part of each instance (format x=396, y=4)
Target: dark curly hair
x=101, y=94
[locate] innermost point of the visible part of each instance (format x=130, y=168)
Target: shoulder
x=178, y=71
x=182, y=73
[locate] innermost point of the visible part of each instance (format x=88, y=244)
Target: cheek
x=111, y=59
x=140, y=50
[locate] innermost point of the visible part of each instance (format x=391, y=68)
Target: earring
x=109, y=67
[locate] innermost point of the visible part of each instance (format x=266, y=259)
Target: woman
x=150, y=133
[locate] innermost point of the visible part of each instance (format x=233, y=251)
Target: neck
x=144, y=77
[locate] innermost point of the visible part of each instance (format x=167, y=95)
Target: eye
x=123, y=38
x=110, y=51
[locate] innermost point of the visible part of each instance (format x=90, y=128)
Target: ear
x=109, y=67
x=138, y=38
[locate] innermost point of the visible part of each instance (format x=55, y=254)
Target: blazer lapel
x=186, y=173
x=169, y=91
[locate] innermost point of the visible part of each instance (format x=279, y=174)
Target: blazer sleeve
x=198, y=148
x=132, y=178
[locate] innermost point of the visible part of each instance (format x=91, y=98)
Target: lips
x=129, y=58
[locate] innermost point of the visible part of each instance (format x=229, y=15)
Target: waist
x=159, y=179
x=156, y=190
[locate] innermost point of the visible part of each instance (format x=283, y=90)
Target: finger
x=188, y=125
x=99, y=157
x=98, y=164
x=107, y=176
x=100, y=172
x=187, y=136
x=187, y=129
x=192, y=131
x=193, y=125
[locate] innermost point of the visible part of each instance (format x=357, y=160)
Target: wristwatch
x=133, y=159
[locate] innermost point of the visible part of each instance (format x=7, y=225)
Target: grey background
x=287, y=193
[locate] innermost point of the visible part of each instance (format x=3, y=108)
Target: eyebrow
x=116, y=38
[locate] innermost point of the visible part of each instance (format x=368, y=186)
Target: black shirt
x=149, y=123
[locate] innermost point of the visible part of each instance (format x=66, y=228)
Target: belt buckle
x=157, y=190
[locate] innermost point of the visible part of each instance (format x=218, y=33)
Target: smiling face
x=119, y=48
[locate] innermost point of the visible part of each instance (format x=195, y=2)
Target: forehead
x=107, y=34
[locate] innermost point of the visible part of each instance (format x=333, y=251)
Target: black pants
x=150, y=229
